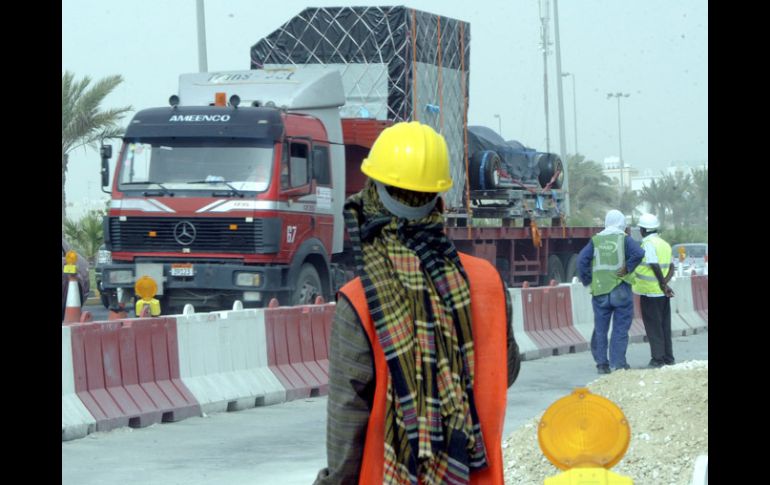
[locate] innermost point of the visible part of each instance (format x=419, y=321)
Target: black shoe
x=603, y=369
x=623, y=367
x=655, y=364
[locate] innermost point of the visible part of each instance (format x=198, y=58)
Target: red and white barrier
x=76, y=421
x=582, y=310
x=223, y=360
x=684, y=319
x=700, y=297
x=528, y=349
x=637, y=333
x=135, y=372
x=127, y=372
x=296, y=348
x=548, y=320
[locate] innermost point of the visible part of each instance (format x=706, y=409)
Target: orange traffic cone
x=72, y=310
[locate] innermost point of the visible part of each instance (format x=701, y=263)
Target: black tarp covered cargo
x=397, y=63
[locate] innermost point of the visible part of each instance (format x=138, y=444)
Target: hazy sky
x=655, y=50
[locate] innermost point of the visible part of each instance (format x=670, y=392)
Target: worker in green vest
x=607, y=263
x=651, y=284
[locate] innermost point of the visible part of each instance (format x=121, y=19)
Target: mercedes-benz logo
x=184, y=233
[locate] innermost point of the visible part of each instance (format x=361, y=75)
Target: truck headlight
x=121, y=276
x=248, y=279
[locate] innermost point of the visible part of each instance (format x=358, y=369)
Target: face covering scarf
x=419, y=301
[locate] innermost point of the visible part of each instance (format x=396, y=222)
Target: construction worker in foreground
x=421, y=352
x=607, y=263
x=651, y=283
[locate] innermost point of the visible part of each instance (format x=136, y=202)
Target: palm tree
x=629, y=200
x=86, y=235
x=700, y=180
x=591, y=192
x=83, y=122
x=657, y=195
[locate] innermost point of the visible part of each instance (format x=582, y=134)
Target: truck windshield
x=174, y=163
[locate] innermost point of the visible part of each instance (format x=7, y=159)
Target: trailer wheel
x=570, y=269
x=307, y=286
x=484, y=170
x=555, y=270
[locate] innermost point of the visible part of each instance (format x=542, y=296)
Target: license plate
x=184, y=269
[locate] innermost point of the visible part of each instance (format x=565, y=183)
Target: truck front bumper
x=204, y=277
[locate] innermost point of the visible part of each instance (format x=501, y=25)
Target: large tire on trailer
x=307, y=286
x=484, y=170
x=555, y=270
x=570, y=269
x=549, y=163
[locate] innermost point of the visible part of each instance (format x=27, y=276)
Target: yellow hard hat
x=411, y=156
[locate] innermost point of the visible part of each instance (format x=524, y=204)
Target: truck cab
x=221, y=201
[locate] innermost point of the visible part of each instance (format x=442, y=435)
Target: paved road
x=285, y=444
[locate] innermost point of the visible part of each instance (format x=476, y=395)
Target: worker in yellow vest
x=421, y=352
x=651, y=284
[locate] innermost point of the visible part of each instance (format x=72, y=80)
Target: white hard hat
x=649, y=221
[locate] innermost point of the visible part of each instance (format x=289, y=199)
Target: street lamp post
x=620, y=142
x=499, y=126
x=202, y=61
x=574, y=106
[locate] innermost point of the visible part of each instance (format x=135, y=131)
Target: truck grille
x=208, y=235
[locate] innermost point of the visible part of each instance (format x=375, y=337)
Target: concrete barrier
x=223, y=360
x=548, y=320
x=637, y=333
x=290, y=349
x=700, y=296
x=76, y=421
x=528, y=349
x=684, y=319
x=127, y=372
x=582, y=310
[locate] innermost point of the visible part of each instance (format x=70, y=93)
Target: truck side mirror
x=106, y=152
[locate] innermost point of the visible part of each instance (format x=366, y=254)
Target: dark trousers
x=656, y=315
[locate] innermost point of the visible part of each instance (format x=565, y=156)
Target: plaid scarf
x=419, y=301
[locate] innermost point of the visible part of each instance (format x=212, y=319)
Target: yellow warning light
x=146, y=287
x=152, y=234
x=220, y=99
x=584, y=430
x=71, y=257
x=233, y=227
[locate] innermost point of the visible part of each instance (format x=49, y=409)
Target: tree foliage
x=83, y=121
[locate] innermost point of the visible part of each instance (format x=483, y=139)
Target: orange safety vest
x=488, y=313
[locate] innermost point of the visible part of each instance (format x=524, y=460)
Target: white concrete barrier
x=527, y=347
x=700, y=474
x=582, y=310
x=684, y=319
x=76, y=421
x=223, y=360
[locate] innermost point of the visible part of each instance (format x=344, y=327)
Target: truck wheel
x=570, y=269
x=549, y=163
x=555, y=270
x=307, y=286
x=484, y=170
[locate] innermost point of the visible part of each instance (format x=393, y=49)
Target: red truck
x=235, y=190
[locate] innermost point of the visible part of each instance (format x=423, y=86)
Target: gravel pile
x=667, y=410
